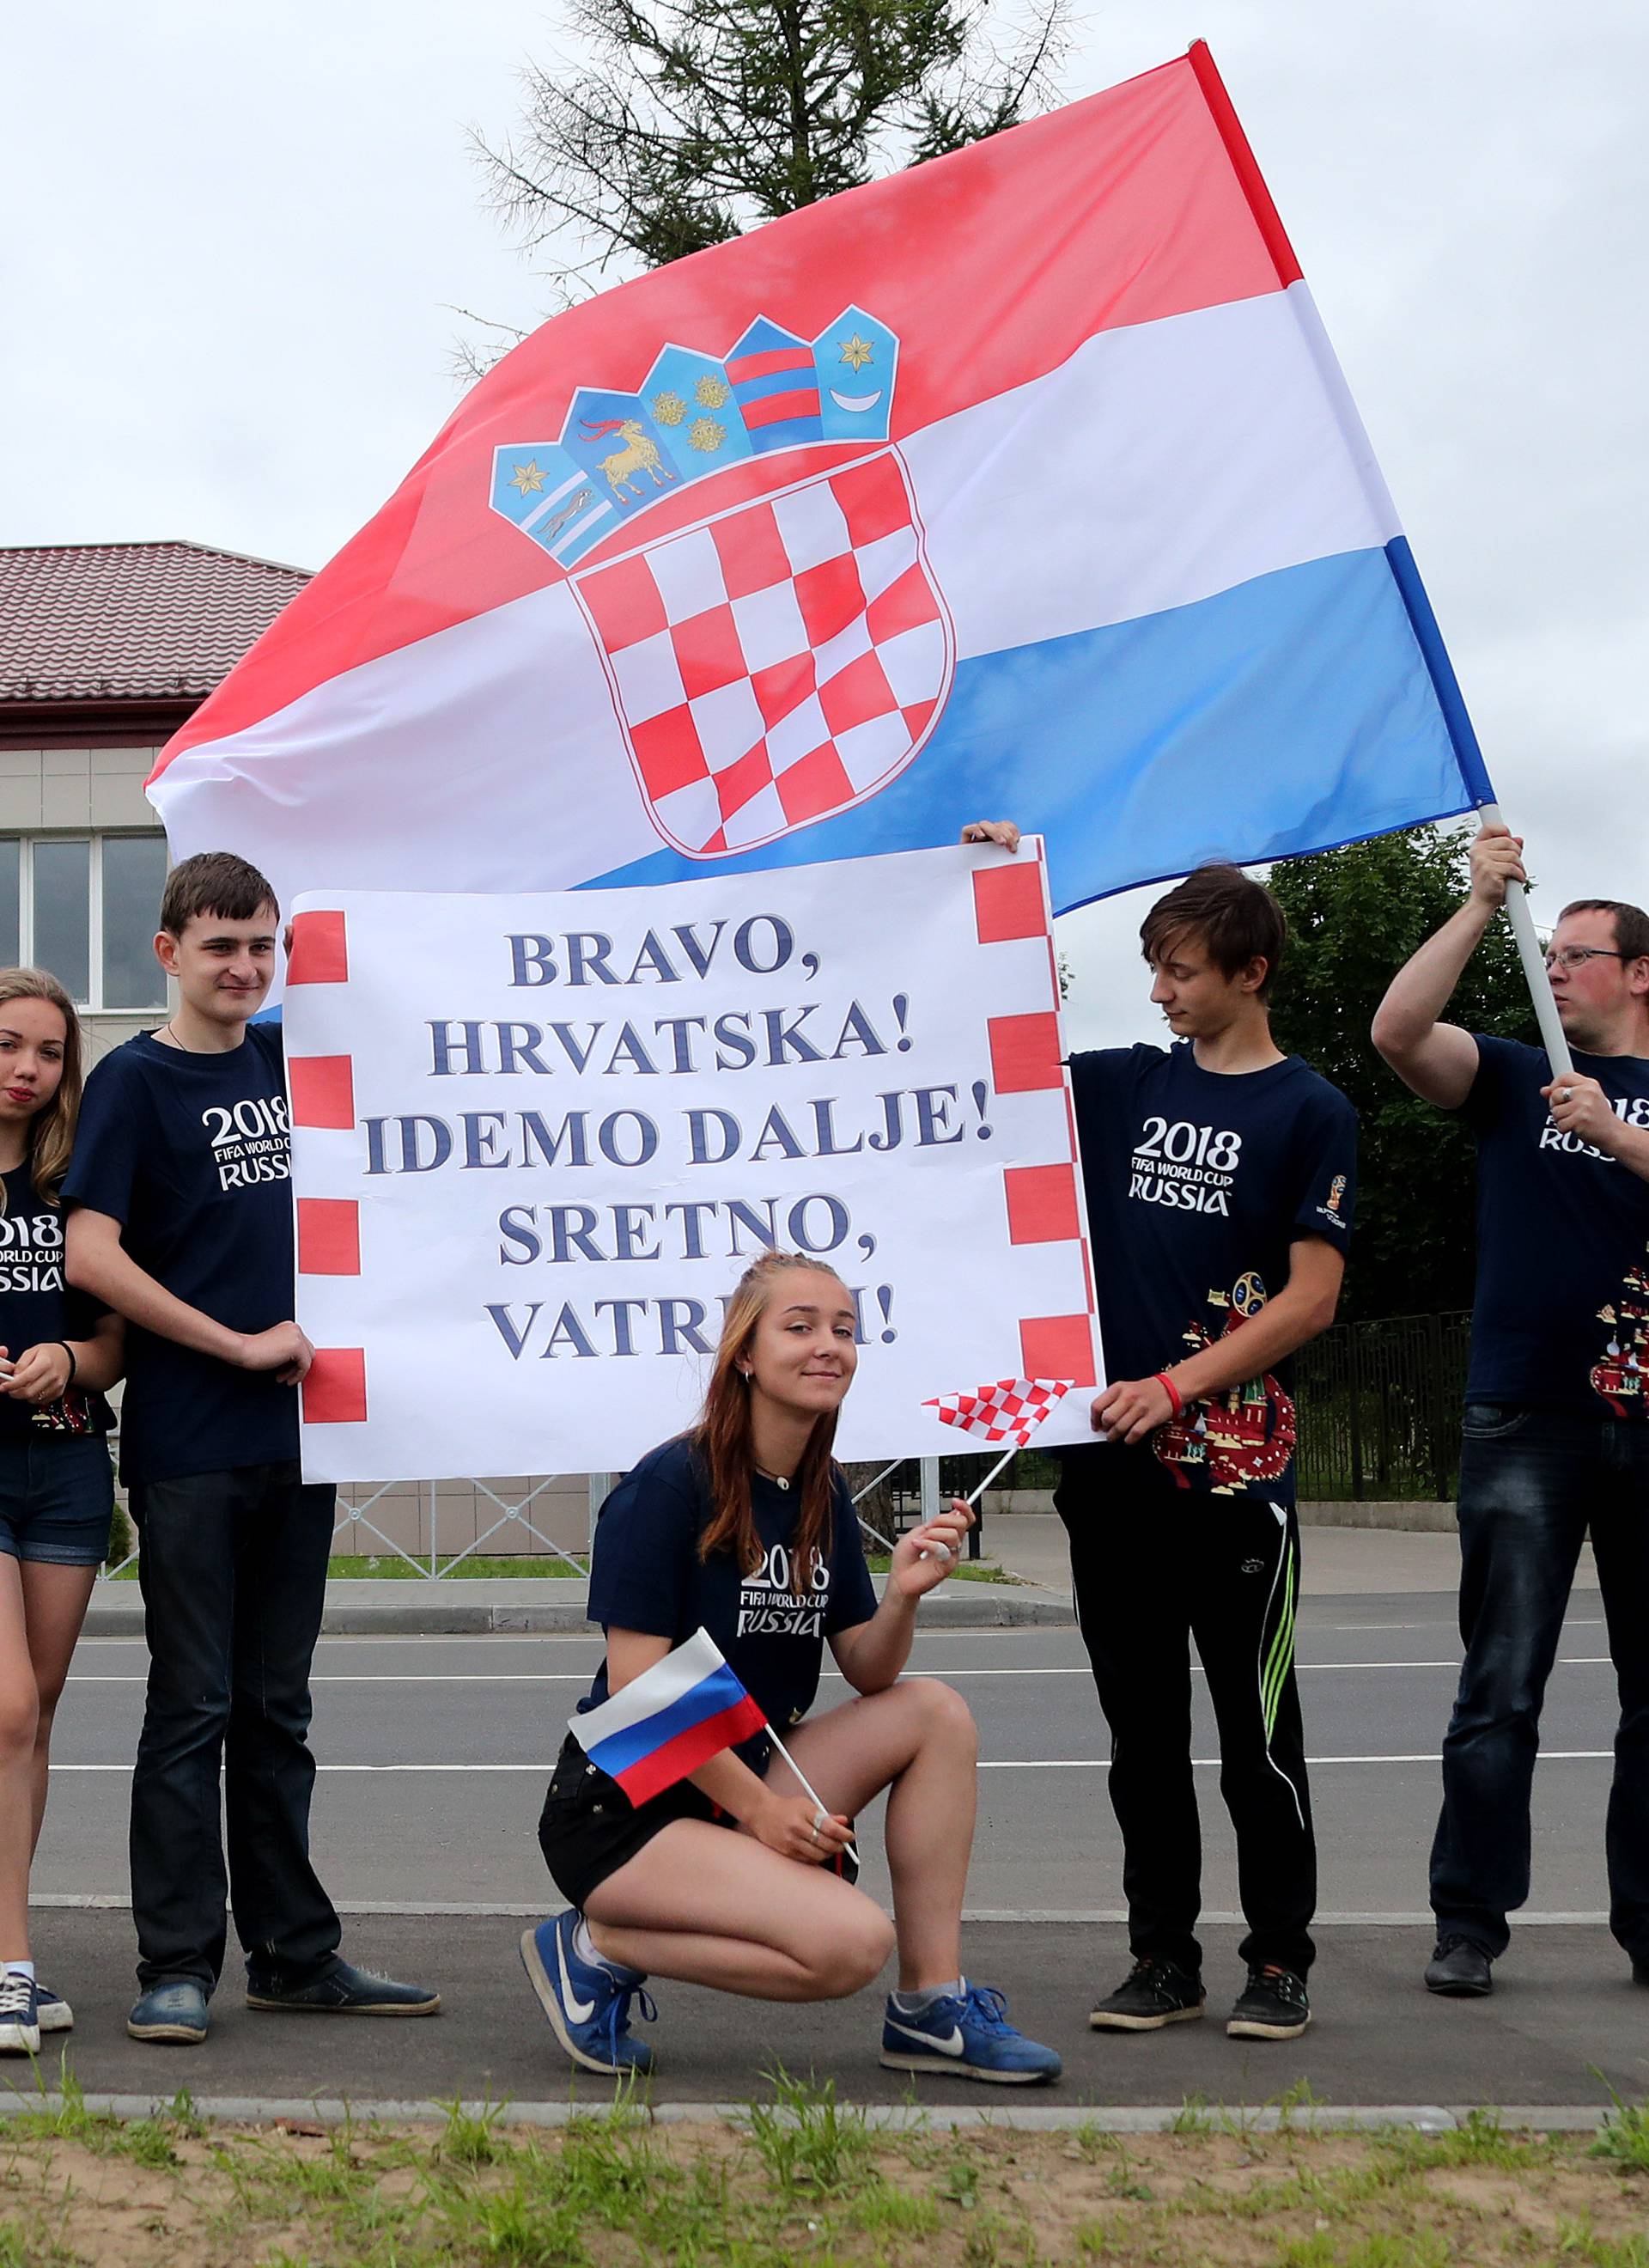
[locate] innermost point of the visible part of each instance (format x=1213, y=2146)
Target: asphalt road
x=433, y=1755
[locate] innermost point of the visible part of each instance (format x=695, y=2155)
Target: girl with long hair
x=734, y=1877
x=58, y=1351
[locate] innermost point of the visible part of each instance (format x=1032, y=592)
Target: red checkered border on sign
x=322, y=1089
x=1042, y=1202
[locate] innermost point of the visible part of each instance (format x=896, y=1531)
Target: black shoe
x=1273, y=2007
x=341, y=1990
x=1152, y=1994
x=1459, y=1969
x=1639, y=1976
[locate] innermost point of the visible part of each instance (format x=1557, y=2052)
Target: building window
x=86, y=908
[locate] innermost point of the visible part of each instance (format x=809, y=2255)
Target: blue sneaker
x=971, y=2035
x=20, y=2014
x=56, y=2015
x=587, y=2005
x=174, y=2013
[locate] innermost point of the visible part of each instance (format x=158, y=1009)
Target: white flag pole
x=808, y=1788
x=1006, y=1457
x=1540, y=991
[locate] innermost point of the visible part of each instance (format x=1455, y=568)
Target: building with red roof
x=106, y=649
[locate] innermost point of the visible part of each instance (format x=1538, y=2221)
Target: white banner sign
x=537, y=1139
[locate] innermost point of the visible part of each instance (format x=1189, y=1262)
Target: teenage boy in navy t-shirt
x=1220, y=1177
x=1556, y=1422
x=182, y=1223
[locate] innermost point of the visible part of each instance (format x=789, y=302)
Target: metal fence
x=1380, y=1409
x=1379, y=1416
x=901, y=1493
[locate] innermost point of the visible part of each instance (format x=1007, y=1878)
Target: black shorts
x=589, y=1828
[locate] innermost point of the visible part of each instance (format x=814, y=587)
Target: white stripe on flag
x=655, y=1689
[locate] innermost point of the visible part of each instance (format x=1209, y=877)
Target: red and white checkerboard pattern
x=1010, y=1410
x=778, y=663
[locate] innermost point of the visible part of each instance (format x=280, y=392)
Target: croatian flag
x=1010, y=1410
x=668, y=1721
x=1022, y=483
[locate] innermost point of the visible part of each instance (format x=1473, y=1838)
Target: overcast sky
x=234, y=238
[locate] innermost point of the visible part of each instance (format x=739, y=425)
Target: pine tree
x=694, y=121
x=1354, y=918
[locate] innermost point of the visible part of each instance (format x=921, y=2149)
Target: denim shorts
x=56, y=1498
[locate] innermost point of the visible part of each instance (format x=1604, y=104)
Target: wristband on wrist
x=73, y=1366
x=1176, y=1400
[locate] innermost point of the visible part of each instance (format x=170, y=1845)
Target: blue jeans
x=1531, y=1484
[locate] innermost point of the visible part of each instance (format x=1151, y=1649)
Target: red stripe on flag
x=322, y=1088
x=335, y=1388
x=320, y=948
x=777, y=408
x=1058, y=1346
x=1267, y=219
x=1122, y=208
x=650, y=1775
x=765, y=366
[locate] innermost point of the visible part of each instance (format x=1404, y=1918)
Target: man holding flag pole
x=1557, y=1420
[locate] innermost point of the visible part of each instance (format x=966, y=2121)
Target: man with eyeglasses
x=1556, y=1422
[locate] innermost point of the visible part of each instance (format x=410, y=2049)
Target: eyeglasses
x=1572, y=956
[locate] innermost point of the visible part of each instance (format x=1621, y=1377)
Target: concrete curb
x=441, y=1610
x=881, y=2118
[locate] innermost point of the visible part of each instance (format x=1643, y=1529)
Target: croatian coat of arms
x=778, y=650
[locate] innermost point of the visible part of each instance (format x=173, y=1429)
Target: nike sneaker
x=969, y=2034
x=587, y=2003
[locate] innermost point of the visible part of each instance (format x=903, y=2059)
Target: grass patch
x=966, y=1570
x=390, y=1567
x=800, y=2178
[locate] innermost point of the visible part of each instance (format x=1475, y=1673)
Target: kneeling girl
x=734, y=1877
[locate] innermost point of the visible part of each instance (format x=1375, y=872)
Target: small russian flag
x=668, y=1721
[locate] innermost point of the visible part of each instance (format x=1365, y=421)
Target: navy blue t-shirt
x=645, y=1574
x=190, y=1153
x=1561, y=1317
x=1197, y=1183
x=37, y=1308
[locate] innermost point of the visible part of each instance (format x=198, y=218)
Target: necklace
x=777, y=1479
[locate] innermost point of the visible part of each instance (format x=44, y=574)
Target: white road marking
x=993, y=1763
x=474, y=1910
x=830, y=1677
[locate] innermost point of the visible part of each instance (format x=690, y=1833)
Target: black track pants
x=1154, y=1569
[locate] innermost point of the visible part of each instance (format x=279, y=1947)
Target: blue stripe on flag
x=618, y=1751
x=1293, y=713
x=1451, y=700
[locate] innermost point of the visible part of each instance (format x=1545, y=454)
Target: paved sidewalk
x=1334, y=1562
x=553, y=1604
x=1565, y=2027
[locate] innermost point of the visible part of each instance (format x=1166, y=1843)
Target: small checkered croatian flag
x=1010, y=1410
